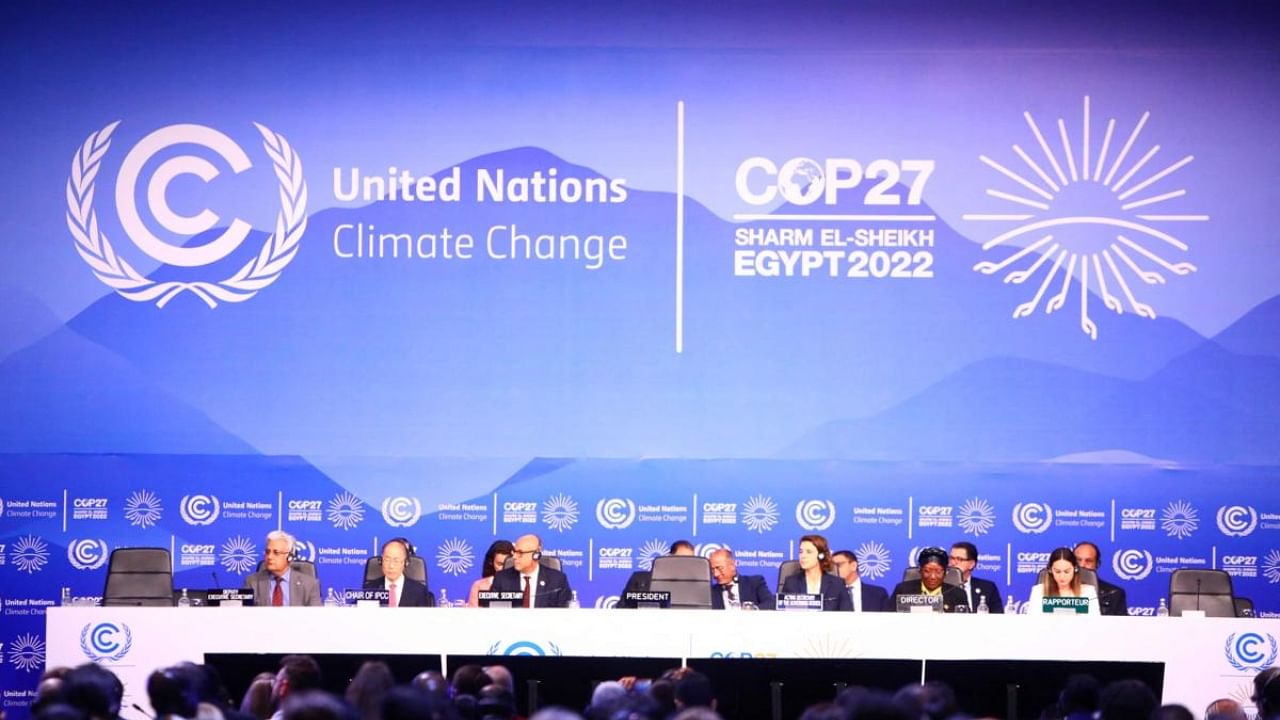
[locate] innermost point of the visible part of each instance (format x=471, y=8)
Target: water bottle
x=982, y=605
x=185, y=600
x=573, y=601
x=66, y=597
x=333, y=599
x=1163, y=610
x=443, y=600
x=1010, y=606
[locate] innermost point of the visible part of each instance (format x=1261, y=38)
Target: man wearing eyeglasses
x=865, y=596
x=964, y=555
x=279, y=583
x=542, y=586
x=402, y=591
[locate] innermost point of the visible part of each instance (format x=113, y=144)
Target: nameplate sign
x=799, y=601
x=649, y=599
x=363, y=598
x=1066, y=605
x=919, y=603
x=230, y=597
x=504, y=599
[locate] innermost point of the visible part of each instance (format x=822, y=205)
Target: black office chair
x=1205, y=590
x=416, y=569
x=687, y=578
x=139, y=576
x=305, y=567
x=550, y=561
x=1087, y=576
x=953, y=576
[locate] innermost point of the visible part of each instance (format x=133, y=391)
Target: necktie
x=277, y=595
x=391, y=599
x=524, y=602
x=853, y=598
x=968, y=594
x=733, y=597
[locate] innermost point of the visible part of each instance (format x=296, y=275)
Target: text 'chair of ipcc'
x=549, y=561
x=139, y=576
x=1206, y=590
x=414, y=569
x=953, y=575
x=1087, y=576
x=687, y=578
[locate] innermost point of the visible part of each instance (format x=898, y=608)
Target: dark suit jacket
x=834, y=595
x=552, y=591
x=638, y=582
x=874, y=598
x=751, y=588
x=304, y=590
x=1111, y=599
x=412, y=594
x=952, y=596
x=985, y=587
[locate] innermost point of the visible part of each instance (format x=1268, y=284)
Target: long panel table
x=1205, y=658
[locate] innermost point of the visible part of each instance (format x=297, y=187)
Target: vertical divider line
x=679, y=227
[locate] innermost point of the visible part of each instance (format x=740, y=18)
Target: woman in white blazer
x=1063, y=580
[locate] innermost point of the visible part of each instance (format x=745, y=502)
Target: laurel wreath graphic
x=89, y=653
x=1231, y=655
x=114, y=271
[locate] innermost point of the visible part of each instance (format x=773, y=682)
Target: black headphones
x=409, y=552
x=537, y=555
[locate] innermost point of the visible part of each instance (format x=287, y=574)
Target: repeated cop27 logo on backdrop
x=1089, y=210
x=116, y=272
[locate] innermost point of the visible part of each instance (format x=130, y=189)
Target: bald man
x=542, y=586
x=732, y=589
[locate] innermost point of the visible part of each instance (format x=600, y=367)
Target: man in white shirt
x=542, y=586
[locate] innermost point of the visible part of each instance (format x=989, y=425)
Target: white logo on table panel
x=525, y=648
x=278, y=250
x=615, y=513
x=401, y=511
x=346, y=511
x=1097, y=229
x=607, y=602
x=198, y=509
x=1032, y=517
x=1251, y=651
x=652, y=549
x=977, y=517
x=29, y=554
x=815, y=515
x=874, y=560
x=106, y=641
x=760, y=514
x=87, y=554
x=455, y=556
x=560, y=513
x=26, y=652
x=1132, y=564
x=143, y=509
x=239, y=555
x=1237, y=520
x=1180, y=519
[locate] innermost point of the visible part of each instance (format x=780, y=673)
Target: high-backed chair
x=1087, y=576
x=786, y=570
x=139, y=576
x=953, y=576
x=550, y=561
x=1205, y=590
x=415, y=569
x=686, y=577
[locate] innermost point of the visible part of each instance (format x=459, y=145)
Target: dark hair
x=173, y=691
x=470, y=680
x=93, y=689
x=257, y=697
x=1172, y=712
x=1266, y=691
x=495, y=701
x=1079, y=695
x=315, y=705
x=411, y=703
x=847, y=553
x=694, y=690
x=1050, y=586
x=823, y=711
x=302, y=672
x=496, y=548
x=969, y=548
x=368, y=689
x=682, y=544
x=824, y=550
x=1091, y=544
x=1126, y=700
x=931, y=554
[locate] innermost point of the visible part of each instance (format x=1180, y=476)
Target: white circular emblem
x=96, y=250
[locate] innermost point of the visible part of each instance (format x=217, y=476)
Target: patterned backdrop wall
x=901, y=276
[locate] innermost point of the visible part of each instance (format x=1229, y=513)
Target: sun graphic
x=455, y=556
x=760, y=514
x=1180, y=519
x=560, y=512
x=239, y=554
x=873, y=560
x=30, y=554
x=977, y=516
x=27, y=652
x=1271, y=566
x=346, y=511
x=650, y=550
x=143, y=509
x=1092, y=221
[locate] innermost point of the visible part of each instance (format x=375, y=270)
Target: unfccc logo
x=1251, y=652
x=1032, y=518
x=815, y=514
x=1237, y=520
x=1132, y=564
x=106, y=641
x=199, y=509
x=615, y=513
x=114, y=271
x=401, y=511
x=87, y=554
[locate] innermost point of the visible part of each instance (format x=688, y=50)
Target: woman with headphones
x=1063, y=580
x=815, y=578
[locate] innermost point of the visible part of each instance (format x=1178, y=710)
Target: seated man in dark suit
x=402, y=591
x=542, y=586
x=276, y=584
x=865, y=596
x=932, y=562
x=1111, y=598
x=639, y=580
x=964, y=556
x=732, y=589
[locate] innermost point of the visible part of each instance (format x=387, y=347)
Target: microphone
x=215, y=578
x=145, y=714
x=1197, y=592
